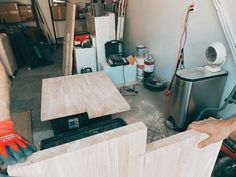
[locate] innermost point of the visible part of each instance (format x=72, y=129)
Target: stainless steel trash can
x=194, y=90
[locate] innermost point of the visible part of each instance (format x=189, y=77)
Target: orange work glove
x=13, y=148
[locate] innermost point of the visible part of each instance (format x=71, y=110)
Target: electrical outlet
x=193, y=5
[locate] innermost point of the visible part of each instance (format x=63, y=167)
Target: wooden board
x=22, y=123
x=69, y=39
x=179, y=156
x=116, y=153
x=122, y=153
x=93, y=93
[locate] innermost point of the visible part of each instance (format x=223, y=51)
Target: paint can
x=141, y=52
x=140, y=67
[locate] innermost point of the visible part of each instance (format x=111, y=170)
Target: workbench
x=91, y=93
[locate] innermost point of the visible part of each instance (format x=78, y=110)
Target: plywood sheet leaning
x=117, y=153
x=179, y=156
x=68, y=39
x=93, y=93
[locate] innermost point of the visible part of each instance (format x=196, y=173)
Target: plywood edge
x=175, y=139
x=126, y=107
x=45, y=155
x=42, y=112
x=71, y=76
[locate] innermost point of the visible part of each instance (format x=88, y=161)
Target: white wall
x=158, y=24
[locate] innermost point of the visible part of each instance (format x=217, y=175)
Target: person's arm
x=13, y=148
x=217, y=129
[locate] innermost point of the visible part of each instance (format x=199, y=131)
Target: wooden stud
x=68, y=39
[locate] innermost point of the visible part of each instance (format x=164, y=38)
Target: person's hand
x=217, y=130
x=13, y=148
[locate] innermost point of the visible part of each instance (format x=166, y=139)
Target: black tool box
x=83, y=132
x=66, y=124
x=115, y=53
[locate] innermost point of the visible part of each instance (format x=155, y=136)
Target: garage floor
x=147, y=106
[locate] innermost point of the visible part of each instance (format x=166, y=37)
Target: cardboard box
x=59, y=12
x=26, y=13
x=9, y=13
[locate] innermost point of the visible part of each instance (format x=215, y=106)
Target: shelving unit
x=19, y=5
x=59, y=24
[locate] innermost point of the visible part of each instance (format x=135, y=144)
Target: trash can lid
x=198, y=73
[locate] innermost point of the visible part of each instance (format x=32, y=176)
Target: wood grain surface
x=179, y=156
x=93, y=93
x=117, y=153
x=123, y=153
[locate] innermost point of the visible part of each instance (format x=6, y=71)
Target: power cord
x=125, y=90
x=183, y=40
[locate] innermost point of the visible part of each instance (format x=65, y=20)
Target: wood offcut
x=68, y=39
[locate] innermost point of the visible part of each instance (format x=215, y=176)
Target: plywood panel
x=179, y=156
x=117, y=153
x=69, y=38
x=93, y=93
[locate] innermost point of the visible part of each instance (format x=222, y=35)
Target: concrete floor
x=26, y=94
x=148, y=107
x=152, y=108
